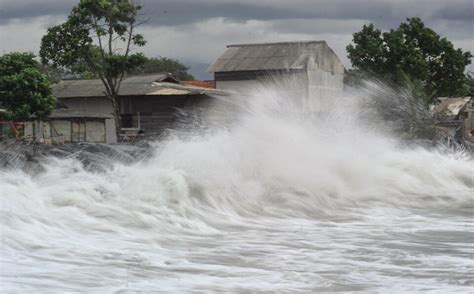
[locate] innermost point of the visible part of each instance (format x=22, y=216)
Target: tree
x=164, y=64
x=25, y=92
x=414, y=54
x=97, y=40
x=470, y=83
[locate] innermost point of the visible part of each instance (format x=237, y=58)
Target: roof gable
x=277, y=56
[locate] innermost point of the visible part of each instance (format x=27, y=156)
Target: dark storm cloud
x=25, y=9
x=178, y=12
x=463, y=11
x=386, y=13
x=196, y=31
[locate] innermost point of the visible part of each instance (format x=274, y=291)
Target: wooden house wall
x=158, y=113
x=73, y=130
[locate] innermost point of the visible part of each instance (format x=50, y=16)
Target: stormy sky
x=197, y=31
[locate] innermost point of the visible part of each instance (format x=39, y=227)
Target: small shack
x=66, y=126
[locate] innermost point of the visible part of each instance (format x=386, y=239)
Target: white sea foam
x=280, y=200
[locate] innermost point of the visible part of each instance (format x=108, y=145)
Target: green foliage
x=368, y=55
x=413, y=54
x=355, y=77
x=54, y=74
x=164, y=65
x=24, y=90
x=470, y=84
x=96, y=40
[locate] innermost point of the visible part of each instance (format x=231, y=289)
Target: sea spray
x=264, y=193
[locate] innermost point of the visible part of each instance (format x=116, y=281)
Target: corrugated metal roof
x=164, y=88
x=277, y=56
x=168, y=91
x=131, y=86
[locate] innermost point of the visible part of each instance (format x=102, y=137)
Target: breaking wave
x=280, y=199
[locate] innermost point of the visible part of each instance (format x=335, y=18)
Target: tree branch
x=127, y=51
x=99, y=38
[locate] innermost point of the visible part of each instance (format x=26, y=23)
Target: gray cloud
x=172, y=12
x=11, y=10
x=197, y=31
x=183, y=11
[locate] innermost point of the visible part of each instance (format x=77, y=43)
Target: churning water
x=282, y=200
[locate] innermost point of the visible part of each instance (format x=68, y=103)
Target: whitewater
x=278, y=200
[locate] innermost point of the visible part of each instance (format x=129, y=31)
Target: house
x=457, y=115
x=313, y=64
x=66, y=126
x=61, y=126
x=150, y=104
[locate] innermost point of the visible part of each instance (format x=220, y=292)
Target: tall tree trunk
x=117, y=105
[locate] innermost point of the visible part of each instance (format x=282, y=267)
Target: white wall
x=246, y=86
x=324, y=88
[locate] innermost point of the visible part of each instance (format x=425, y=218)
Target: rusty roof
x=204, y=84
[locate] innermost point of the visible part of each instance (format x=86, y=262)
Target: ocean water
x=279, y=201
